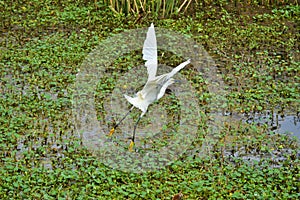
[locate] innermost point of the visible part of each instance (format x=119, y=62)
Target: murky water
x=279, y=123
x=275, y=152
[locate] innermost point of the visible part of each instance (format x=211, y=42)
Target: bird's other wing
x=164, y=87
x=178, y=68
x=150, y=52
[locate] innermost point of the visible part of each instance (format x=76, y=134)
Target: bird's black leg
x=133, y=136
x=113, y=129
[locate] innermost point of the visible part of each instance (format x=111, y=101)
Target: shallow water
x=278, y=123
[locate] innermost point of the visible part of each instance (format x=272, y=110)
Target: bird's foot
x=131, y=146
x=111, y=132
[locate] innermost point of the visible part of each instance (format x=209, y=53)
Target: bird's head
x=140, y=95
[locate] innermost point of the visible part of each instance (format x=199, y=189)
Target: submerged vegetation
x=255, y=49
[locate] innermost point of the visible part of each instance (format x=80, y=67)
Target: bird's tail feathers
x=137, y=102
x=129, y=99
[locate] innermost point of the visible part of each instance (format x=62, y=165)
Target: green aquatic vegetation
x=42, y=45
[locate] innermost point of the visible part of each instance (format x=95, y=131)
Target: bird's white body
x=156, y=86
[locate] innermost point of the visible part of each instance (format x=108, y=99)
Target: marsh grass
x=168, y=8
x=162, y=8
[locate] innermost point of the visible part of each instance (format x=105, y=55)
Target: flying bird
x=155, y=86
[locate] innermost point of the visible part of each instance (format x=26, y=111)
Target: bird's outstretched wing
x=150, y=53
x=178, y=68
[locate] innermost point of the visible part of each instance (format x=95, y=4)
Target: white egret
x=155, y=87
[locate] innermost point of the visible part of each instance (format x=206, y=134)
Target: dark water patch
x=278, y=123
x=269, y=138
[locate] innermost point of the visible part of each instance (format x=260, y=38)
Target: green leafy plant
x=42, y=46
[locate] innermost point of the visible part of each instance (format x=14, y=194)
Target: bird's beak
x=111, y=132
